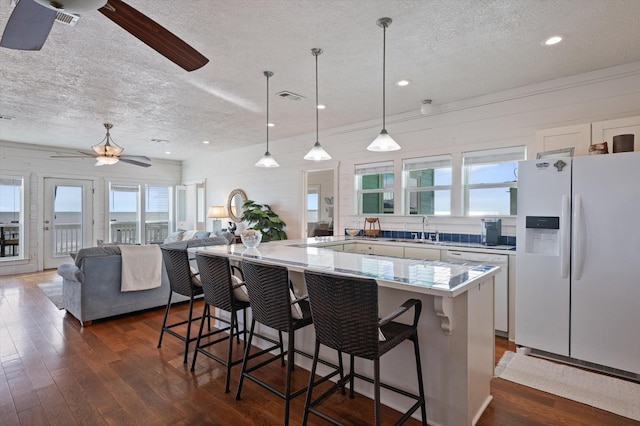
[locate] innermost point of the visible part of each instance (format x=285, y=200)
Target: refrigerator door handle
x=565, y=242
x=578, y=238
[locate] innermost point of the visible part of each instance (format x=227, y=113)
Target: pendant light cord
x=267, y=74
x=384, y=70
x=316, y=55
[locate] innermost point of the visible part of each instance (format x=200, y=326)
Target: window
x=124, y=213
x=374, y=188
x=140, y=217
x=157, y=213
x=11, y=217
x=313, y=193
x=427, y=185
x=490, y=181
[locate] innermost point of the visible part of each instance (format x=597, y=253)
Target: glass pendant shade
x=383, y=142
x=267, y=160
x=317, y=153
x=107, y=160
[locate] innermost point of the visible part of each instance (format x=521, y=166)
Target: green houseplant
x=265, y=220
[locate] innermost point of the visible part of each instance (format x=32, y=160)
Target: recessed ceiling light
x=205, y=142
x=270, y=125
x=554, y=39
x=167, y=152
x=320, y=106
x=403, y=83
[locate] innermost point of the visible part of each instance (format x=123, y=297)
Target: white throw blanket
x=141, y=267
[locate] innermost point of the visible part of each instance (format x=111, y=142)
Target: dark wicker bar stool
x=220, y=292
x=182, y=281
x=271, y=301
x=345, y=318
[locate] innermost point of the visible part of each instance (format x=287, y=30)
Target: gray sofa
x=91, y=285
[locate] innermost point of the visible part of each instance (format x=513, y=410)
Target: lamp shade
x=383, y=142
x=267, y=161
x=317, y=153
x=217, y=212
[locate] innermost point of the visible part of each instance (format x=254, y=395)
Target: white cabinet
x=581, y=136
x=577, y=137
x=604, y=131
x=385, y=250
x=422, y=253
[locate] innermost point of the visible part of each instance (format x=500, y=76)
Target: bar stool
x=185, y=282
x=220, y=292
x=345, y=318
x=273, y=305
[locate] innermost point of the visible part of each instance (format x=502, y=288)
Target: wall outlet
x=404, y=226
x=32, y=256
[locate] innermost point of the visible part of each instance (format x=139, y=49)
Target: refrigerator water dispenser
x=543, y=235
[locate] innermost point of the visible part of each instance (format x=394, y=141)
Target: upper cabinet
x=577, y=137
x=604, y=131
x=581, y=136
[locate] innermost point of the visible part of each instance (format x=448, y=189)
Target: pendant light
x=383, y=142
x=267, y=160
x=317, y=153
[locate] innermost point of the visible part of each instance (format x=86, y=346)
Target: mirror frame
x=232, y=195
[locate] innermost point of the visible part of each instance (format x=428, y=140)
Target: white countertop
x=446, y=279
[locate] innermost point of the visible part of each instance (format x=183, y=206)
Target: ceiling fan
x=108, y=153
x=30, y=23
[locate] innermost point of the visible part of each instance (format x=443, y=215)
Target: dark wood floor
x=53, y=372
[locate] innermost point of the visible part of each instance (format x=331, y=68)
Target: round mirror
x=235, y=204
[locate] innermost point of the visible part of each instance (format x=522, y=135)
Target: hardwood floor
x=54, y=372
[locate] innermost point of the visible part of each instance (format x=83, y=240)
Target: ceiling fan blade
x=137, y=160
x=154, y=35
x=28, y=26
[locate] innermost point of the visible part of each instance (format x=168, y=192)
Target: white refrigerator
x=578, y=258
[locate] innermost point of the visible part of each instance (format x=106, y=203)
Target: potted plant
x=265, y=220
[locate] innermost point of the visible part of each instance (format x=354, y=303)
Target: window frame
x=492, y=156
x=21, y=216
x=370, y=169
x=432, y=162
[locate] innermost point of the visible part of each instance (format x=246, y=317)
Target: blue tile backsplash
x=456, y=238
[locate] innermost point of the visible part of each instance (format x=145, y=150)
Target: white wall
x=34, y=162
x=502, y=119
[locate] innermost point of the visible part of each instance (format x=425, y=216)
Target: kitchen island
x=455, y=330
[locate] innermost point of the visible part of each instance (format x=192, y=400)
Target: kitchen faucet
x=424, y=223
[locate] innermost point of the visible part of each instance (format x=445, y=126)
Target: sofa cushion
x=174, y=236
x=185, y=244
x=201, y=234
x=95, y=251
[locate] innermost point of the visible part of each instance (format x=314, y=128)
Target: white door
x=68, y=219
x=604, y=288
x=542, y=285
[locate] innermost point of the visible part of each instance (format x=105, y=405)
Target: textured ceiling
x=450, y=50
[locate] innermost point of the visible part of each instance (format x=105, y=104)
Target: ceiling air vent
x=289, y=95
x=67, y=19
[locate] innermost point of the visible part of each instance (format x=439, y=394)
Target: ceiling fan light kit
x=107, y=153
x=267, y=160
x=317, y=153
x=384, y=142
